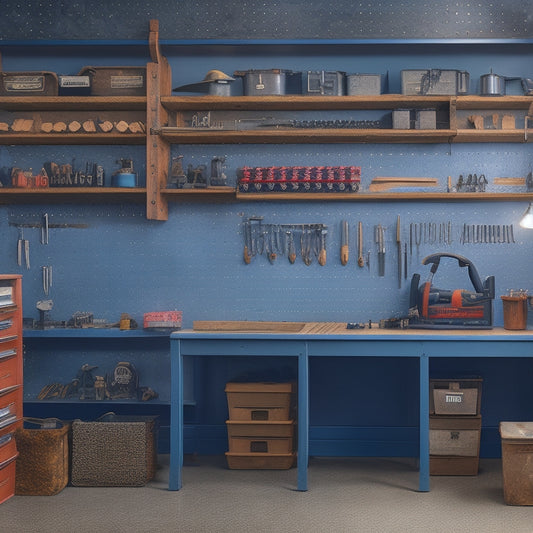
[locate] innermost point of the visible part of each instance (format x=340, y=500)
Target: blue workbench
x=336, y=341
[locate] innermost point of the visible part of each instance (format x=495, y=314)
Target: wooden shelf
x=72, y=138
x=299, y=103
x=304, y=136
x=229, y=193
x=73, y=103
x=85, y=195
x=493, y=102
x=492, y=136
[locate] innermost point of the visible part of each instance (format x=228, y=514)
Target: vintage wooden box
x=259, y=401
x=43, y=461
x=454, y=445
x=455, y=396
x=28, y=84
x=517, y=462
x=116, y=81
x=114, y=451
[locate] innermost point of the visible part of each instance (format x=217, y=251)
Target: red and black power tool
x=433, y=308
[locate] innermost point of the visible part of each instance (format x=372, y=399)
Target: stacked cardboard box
x=454, y=426
x=260, y=426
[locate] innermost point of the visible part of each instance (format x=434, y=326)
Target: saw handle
x=463, y=262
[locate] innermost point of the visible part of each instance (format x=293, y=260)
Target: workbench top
x=338, y=330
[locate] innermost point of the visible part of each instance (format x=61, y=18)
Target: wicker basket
x=43, y=463
x=114, y=451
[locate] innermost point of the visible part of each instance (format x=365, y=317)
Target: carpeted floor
x=345, y=495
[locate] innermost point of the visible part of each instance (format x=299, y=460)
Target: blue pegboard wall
x=259, y=20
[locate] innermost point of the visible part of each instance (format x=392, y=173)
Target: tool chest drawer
x=8, y=368
x=9, y=406
x=8, y=324
x=8, y=455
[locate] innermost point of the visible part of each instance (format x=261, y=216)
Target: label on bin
x=454, y=398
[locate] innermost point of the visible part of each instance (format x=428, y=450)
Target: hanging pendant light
x=527, y=218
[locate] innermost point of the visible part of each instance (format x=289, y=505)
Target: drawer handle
x=5, y=376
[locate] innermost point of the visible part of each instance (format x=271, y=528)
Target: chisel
x=344, y=243
x=360, y=257
x=399, y=245
x=379, y=237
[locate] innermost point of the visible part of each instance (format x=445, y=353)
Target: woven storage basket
x=43, y=463
x=114, y=451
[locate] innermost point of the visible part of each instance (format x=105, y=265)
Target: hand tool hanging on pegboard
x=23, y=250
x=344, y=242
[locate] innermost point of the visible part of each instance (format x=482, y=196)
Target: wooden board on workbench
x=247, y=325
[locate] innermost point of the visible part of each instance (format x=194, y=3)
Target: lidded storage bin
x=517, y=462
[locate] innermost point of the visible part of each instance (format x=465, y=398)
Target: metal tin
x=269, y=82
x=435, y=82
x=322, y=82
x=363, y=84
x=401, y=119
x=74, y=85
x=124, y=179
x=28, y=84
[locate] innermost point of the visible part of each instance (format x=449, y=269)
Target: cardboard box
x=260, y=461
x=259, y=401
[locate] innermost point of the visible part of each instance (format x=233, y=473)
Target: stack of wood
x=23, y=125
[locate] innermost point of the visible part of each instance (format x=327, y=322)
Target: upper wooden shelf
x=298, y=102
x=493, y=102
x=73, y=103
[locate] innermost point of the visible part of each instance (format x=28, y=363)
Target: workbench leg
x=424, y=424
x=176, y=416
x=303, y=419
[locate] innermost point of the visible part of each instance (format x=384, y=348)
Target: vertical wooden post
x=157, y=149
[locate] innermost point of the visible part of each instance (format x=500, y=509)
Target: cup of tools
x=515, y=309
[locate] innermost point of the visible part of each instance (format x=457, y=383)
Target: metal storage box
x=270, y=82
x=455, y=396
x=116, y=81
x=28, y=84
x=43, y=461
x=517, y=462
x=74, y=85
x=259, y=401
x=364, y=84
x=114, y=451
x=425, y=119
x=435, y=82
x=324, y=83
x=401, y=119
